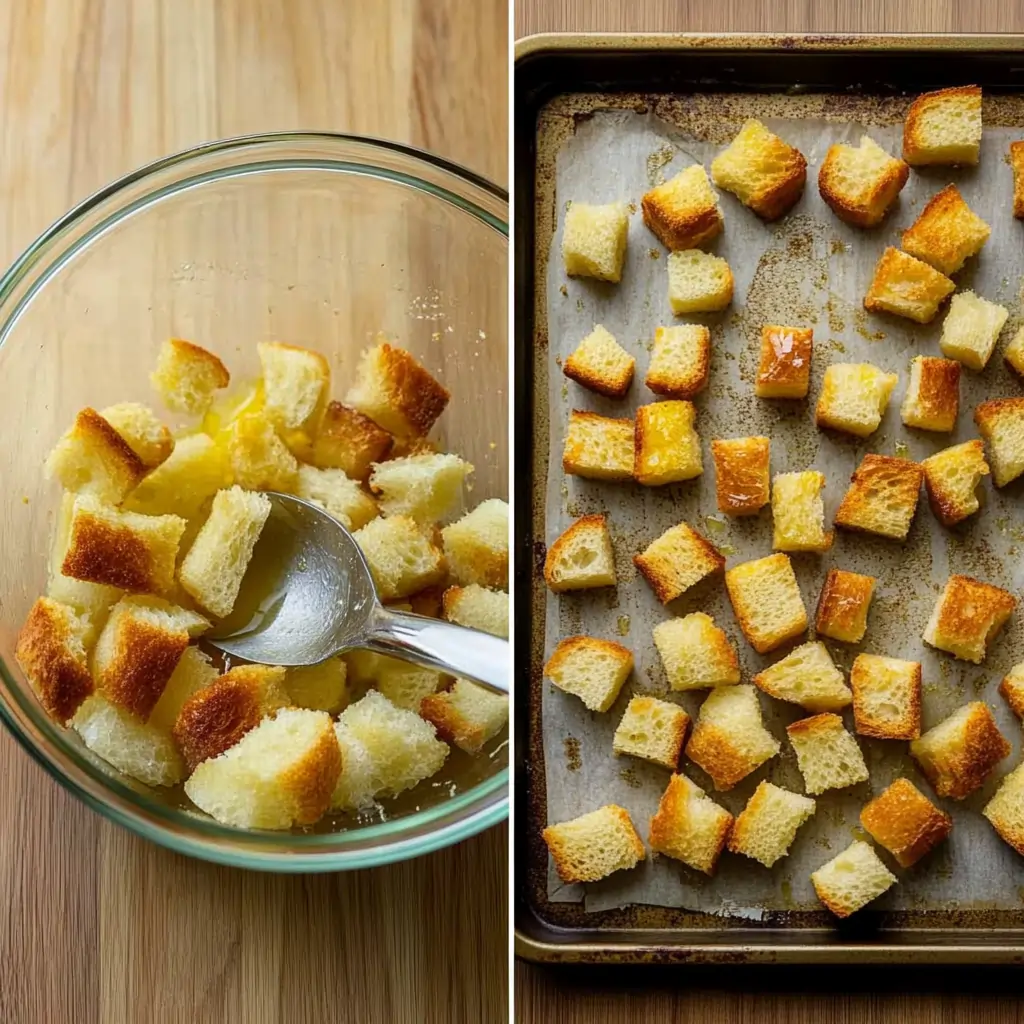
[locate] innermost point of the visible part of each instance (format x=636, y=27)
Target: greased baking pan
x=630, y=70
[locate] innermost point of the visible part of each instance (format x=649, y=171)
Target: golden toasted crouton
x=696, y=653
x=967, y=616
x=349, y=441
x=761, y=170
x=1014, y=353
x=467, y=715
x=594, y=845
x=882, y=497
x=946, y=233
x=853, y=398
x=145, y=434
x=907, y=287
x=591, y=669
x=477, y=607
x=196, y=469
x=843, y=604
x=581, y=557
x=933, y=395
x=404, y=684
x=852, y=879
x=401, y=555
x=905, y=822
x=741, y=474
x=476, y=546
x=426, y=487
x=653, y=730
x=601, y=364
x=689, y=826
x=1006, y=809
x=186, y=376
x=1017, y=163
x=193, y=673
x=767, y=602
x=943, y=127
x=343, y=498
x=798, y=512
x=680, y=362
x=886, y=697
x=784, y=370
x=1001, y=423
x=806, y=676
x=765, y=829
x=1012, y=688
x=598, y=447
x=296, y=382
x=698, y=282
x=826, y=754
x=260, y=460
x=971, y=329
x=951, y=478
x=678, y=559
x=683, y=212
x=958, y=754
x=666, y=444
x=594, y=240
x=860, y=183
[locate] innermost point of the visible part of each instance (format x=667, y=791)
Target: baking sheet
x=809, y=269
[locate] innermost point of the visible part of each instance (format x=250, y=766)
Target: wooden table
x=95, y=924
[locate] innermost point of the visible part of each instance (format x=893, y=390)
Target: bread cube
x=741, y=474
x=677, y=560
x=1014, y=353
x=907, y=287
x=767, y=602
x=943, y=127
x=689, y=826
x=598, y=447
x=667, y=446
x=1006, y=809
x=967, y=617
x=1001, y=423
x=698, y=282
x=882, y=497
x=1017, y=164
x=958, y=754
x=933, y=395
x=401, y=555
x=1012, y=688
x=591, y=669
x=806, y=676
x=594, y=240
x=582, y=557
x=826, y=754
x=765, y=829
x=853, y=398
x=842, y=612
x=404, y=684
x=182, y=484
x=601, y=364
x=467, y=715
x=951, y=478
x=193, y=673
x=317, y=687
x=349, y=441
x=187, y=375
x=476, y=546
x=761, y=170
x=852, y=879
x=784, y=370
x=798, y=512
x=594, y=845
x=680, y=362
x=653, y=730
x=905, y=822
x=683, y=212
x=477, y=607
x=343, y=498
x=696, y=653
x=296, y=382
x=946, y=233
x=426, y=487
x=260, y=460
x=971, y=329
x=145, y=434
x=886, y=697
x=860, y=183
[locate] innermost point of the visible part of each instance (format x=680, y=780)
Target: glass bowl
x=315, y=239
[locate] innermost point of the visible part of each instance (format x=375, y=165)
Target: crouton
x=195, y=471
x=698, y=282
x=260, y=460
x=145, y=434
x=401, y=555
x=967, y=616
x=186, y=376
x=853, y=398
x=594, y=240
x=349, y=441
x=696, y=653
x=767, y=602
x=344, y=499
x=886, y=697
x=1012, y=688
x=477, y=607
x=193, y=673
x=601, y=364
x=476, y=546
x=761, y=170
x=1006, y=809
x=1001, y=423
x=951, y=478
x=683, y=213
x=680, y=361
x=741, y=474
x=943, y=127
x=667, y=446
x=933, y=395
x=581, y=557
x=842, y=612
x=1013, y=356
x=798, y=512
x=905, y=822
x=1017, y=163
x=852, y=879
x=426, y=487
x=765, y=829
x=598, y=447
x=907, y=287
x=826, y=754
x=958, y=754
x=806, y=676
x=860, y=183
x=882, y=497
x=296, y=382
x=946, y=233
x=652, y=729
x=677, y=560
x=317, y=687
x=467, y=715
x=591, y=669
x=971, y=329
x=403, y=683
x=784, y=370
x=689, y=826
x=594, y=845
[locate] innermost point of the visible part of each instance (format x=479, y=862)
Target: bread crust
x=679, y=218
x=939, y=236
x=687, y=384
x=987, y=416
x=1013, y=691
x=602, y=380
x=907, y=287
x=967, y=615
x=713, y=749
x=190, y=352
x=1017, y=163
x=938, y=395
x=945, y=505
x=865, y=210
x=958, y=772
x=582, y=525
x=905, y=822
x=769, y=194
x=742, y=484
x=664, y=576
x=915, y=152
x=411, y=394
x=880, y=479
x=672, y=817
x=92, y=431
x=843, y=604
x=562, y=853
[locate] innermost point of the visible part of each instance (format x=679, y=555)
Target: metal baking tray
x=630, y=69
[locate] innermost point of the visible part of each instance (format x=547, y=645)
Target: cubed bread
x=187, y=375
x=806, y=676
x=193, y=673
x=933, y=394
x=667, y=446
x=826, y=754
x=683, y=212
x=905, y=822
x=943, y=127
x=765, y=829
x=598, y=447
x=476, y=546
x=951, y=478
x=680, y=361
x=401, y=555
x=145, y=434
x=343, y=498
x=215, y=565
x=652, y=729
x=798, y=512
x=594, y=845
x=296, y=382
x=260, y=460
x=958, y=754
x=181, y=485
x=784, y=369
x=601, y=364
x=946, y=233
x=696, y=653
x=403, y=683
x=729, y=740
x=761, y=170
x=767, y=602
x=1006, y=809
x=677, y=560
x=882, y=497
x=467, y=715
x=1012, y=688
x=591, y=669
x=477, y=607
x=853, y=398
x=1014, y=353
x=907, y=287
x=429, y=488
x=886, y=697
x=594, y=240
x=843, y=604
x=582, y=557
x=971, y=329
x=689, y=826
x=860, y=183
x=967, y=617
x=741, y=474
x=349, y=441
x=318, y=687
x=1017, y=165
x=1001, y=423
x=698, y=282
x=852, y=879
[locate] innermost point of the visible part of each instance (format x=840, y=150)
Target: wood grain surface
x=95, y=924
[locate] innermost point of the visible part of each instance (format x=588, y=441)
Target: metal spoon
x=323, y=601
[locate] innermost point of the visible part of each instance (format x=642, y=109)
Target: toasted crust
x=1004, y=452
x=898, y=683
x=1017, y=163
x=312, y=779
x=1012, y=689
x=907, y=287
x=601, y=364
x=905, y=822
x=936, y=402
x=189, y=352
x=947, y=500
x=598, y=524
x=565, y=853
x=673, y=817
x=672, y=376
x=754, y=587
x=742, y=484
x=882, y=497
x=715, y=750
x=683, y=212
x=576, y=650
x=671, y=571
x=967, y=615
x=916, y=150
x=862, y=205
x=785, y=367
x=842, y=611
x=92, y=438
x=349, y=441
x=946, y=233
